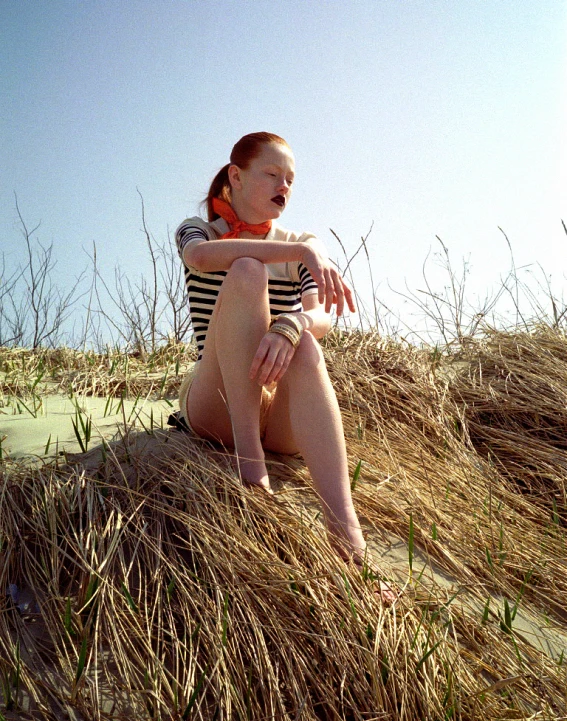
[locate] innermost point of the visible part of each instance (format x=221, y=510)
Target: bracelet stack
x=292, y=332
x=286, y=330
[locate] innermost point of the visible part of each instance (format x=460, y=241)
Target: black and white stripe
x=203, y=288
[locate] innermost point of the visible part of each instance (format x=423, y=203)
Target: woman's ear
x=234, y=176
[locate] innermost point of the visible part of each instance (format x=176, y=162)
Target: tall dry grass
x=166, y=590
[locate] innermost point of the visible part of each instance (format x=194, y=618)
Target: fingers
x=330, y=285
x=332, y=290
x=348, y=297
x=258, y=359
x=329, y=289
x=321, y=286
x=272, y=359
x=337, y=292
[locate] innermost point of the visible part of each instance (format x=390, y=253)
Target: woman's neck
x=245, y=213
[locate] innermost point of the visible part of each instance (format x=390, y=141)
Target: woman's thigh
x=246, y=287
x=207, y=408
x=278, y=436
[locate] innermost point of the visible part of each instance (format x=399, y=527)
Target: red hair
x=245, y=150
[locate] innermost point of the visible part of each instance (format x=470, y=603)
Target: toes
x=258, y=486
x=387, y=594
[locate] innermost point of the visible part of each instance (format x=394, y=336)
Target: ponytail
x=220, y=188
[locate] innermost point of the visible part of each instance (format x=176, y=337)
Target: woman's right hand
x=272, y=359
x=331, y=285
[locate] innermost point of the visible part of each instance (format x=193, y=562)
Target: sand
x=540, y=632
x=50, y=432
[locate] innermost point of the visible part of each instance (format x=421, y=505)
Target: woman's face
x=262, y=190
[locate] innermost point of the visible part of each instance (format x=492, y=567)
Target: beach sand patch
x=71, y=425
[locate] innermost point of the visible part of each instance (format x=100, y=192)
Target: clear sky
x=424, y=117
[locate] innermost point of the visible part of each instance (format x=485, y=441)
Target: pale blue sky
x=423, y=116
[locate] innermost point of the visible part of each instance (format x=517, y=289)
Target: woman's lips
x=279, y=200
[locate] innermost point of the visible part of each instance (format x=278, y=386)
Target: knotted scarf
x=236, y=225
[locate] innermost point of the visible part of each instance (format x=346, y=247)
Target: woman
x=258, y=386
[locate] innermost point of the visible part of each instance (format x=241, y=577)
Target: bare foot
x=386, y=591
x=254, y=474
x=360, y=557
x=388, y=595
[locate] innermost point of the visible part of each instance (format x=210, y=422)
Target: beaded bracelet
x=288, y=332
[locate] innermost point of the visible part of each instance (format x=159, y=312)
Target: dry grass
x=24, y=373
x=167, y=591
x=514, y=394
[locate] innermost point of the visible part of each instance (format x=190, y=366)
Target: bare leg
x=240, y=320
x=305, y=417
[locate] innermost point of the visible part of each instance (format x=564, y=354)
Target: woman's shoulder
x=196, y=223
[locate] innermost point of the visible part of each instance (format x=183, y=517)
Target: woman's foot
x=254, y=474
x=386, y=590
x=356, y=552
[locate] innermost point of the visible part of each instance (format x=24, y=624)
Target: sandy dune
x=51, y=431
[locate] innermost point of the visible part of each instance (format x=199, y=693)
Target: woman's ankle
x=253, y=471
x=347, y=539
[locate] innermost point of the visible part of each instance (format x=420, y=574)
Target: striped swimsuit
x=288, y=283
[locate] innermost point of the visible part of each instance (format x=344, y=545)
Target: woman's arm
x=214, y=255
x=313, y=316
x=275, y=352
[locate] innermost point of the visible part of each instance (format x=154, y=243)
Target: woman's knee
x=308, y=354
x=247, y=274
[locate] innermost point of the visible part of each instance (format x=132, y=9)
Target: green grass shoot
x=356, y=475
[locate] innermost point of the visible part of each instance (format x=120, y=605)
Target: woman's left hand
x=272, y=359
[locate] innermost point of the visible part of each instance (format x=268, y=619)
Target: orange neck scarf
x=236, y=225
